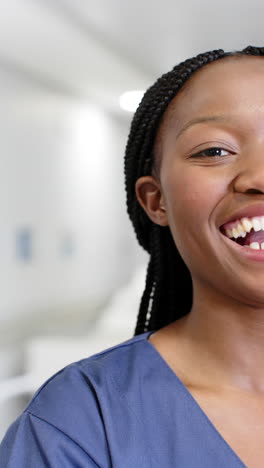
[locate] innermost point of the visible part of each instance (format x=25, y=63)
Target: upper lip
x=246, y=212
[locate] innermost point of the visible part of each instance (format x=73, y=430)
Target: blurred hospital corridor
x=70, y=264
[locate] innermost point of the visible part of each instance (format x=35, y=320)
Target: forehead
x=225, y=85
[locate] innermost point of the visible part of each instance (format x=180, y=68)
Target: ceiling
x=98, y=49
x=156, y=35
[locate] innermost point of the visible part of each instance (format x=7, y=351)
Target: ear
x=150, y=197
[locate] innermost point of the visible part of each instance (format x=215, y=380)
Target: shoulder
x=84, y=391
x=84, y=400
x=90, y=377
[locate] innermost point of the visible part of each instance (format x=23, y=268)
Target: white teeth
x=255, y=245
x=247, y=225
x=235, y=233
x=262, y=245
x=256, y=224
x=240, y=229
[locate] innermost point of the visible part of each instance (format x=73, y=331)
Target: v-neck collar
x=165, y=366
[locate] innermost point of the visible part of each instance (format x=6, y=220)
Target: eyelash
x=214, y=148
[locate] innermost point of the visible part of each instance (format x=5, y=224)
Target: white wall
x=61, y=178
x=61, y=175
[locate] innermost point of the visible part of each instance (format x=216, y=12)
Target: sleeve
x=33, y=442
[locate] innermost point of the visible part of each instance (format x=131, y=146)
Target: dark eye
x=211, y=152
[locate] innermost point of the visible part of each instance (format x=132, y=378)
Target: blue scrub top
x=121, y=408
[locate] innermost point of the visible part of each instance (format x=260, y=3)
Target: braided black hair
x=162, y=302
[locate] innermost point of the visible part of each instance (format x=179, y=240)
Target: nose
x=250, y=175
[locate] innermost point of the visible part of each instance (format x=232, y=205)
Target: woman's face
x=221, y=107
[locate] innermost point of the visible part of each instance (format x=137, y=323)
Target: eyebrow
x=198, y=120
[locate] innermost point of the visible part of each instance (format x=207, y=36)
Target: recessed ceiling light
x=130, y=100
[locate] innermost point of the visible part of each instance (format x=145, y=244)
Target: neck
x=224, y=341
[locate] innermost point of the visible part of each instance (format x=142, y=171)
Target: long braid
x=168, y=290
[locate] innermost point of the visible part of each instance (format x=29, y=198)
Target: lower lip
x=247, y=252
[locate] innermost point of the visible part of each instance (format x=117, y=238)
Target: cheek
x=192, y=194
x=192, y=199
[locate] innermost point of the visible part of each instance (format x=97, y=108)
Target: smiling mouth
x=253, y=239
